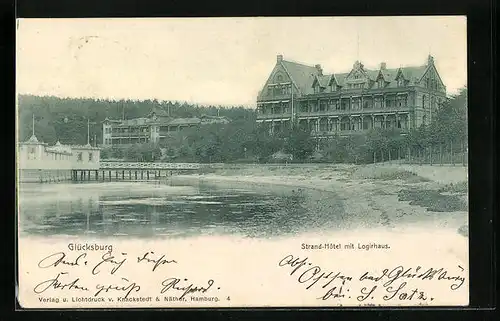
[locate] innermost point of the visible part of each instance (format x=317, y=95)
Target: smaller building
x=38, y=162
x=155, y=127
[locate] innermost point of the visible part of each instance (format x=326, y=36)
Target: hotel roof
x=305, y=76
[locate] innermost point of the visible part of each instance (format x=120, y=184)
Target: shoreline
x=388, y=196
x=366, y=190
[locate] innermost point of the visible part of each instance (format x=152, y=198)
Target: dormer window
x=401, y=82
x=333, y=87
x=279, y=78
x=381, y=83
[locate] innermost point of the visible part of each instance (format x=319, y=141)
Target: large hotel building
x=344, y=103
x=154, y=127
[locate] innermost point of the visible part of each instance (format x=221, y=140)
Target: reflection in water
x=175, y=210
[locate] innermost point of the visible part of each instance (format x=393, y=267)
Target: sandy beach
x=375, y=190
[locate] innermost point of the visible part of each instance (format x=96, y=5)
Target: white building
x=38, y=162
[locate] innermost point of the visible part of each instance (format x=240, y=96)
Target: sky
x=222, y=61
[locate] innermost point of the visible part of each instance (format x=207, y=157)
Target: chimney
x=279, y=58
x=383, y=65
x=319, y=69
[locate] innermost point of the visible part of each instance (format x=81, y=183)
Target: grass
x=462, y=187
x=388, y=174
x=402, y=175
x=433, y=200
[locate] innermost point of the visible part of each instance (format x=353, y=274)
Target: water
x=173, y=209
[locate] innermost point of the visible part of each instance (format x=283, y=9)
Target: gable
x=323, y=81
x=278, y=75
x=357, y=74
x=431, y=78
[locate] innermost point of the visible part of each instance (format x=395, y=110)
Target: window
x=90, y=157
x=401, y=82
x=365, y=124
x=322, y=105
x=31, y=153
x=79, y=157
x=334, y=87
x=279, y=78
x=424, y=101
x=380, y=83
x=323, y=124
x=355, y=103
x=285, y=107
x=303, y=106
x=344, y=124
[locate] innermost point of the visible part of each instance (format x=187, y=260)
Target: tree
x=450, y=123
x=133, y=153
x=299, y=143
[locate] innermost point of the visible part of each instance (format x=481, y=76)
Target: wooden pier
x=128, y=171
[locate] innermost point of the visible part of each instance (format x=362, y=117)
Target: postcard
x=242, y=162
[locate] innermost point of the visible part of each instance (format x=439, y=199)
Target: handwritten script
x=111, y=264
x=392, y=284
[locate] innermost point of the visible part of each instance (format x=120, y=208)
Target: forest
x=243, y=139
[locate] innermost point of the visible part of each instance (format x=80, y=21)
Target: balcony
x=274, y=116
x=345, y=93
x=348, y=112
x=315, y=133
x=130, y=135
